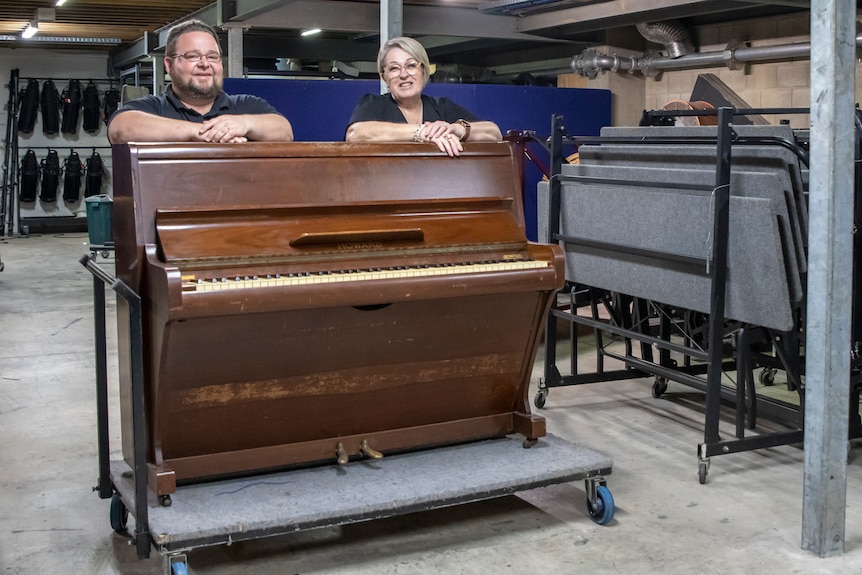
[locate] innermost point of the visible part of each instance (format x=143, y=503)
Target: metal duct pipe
x=670, y=33
x=590, y=62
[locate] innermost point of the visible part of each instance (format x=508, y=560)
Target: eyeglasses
x=195, y=57
x=409, y=67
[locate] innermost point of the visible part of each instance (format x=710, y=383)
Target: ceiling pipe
x=670, y=33
x=734, y=56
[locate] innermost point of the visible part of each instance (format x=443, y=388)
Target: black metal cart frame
x=105, y=485
x=634, y=326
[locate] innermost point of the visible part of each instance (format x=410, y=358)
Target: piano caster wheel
x=530, y=442
x=165, y=500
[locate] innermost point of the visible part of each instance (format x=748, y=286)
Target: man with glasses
x=405, y=114
x=195, y=108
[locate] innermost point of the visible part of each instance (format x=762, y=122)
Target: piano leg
x=531, y=426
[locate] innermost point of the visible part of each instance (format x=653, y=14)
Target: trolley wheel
x=179, y=568
x=529, y=442
x=105, y=253
x=603, y=512
x=702, y=468
x=767, y=376
x=165, y=500
x=119, y=514
x=659, y=386
x=541, y=396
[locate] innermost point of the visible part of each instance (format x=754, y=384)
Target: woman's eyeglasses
x=195, y=57
x=409, y=67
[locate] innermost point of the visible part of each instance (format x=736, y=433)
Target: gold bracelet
x=417, y=135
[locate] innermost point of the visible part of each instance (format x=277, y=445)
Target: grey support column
x=158, y=86
x=391, y=25
x=827, y=349
x=234, y=52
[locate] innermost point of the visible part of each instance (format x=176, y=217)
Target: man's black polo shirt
x=169, y=106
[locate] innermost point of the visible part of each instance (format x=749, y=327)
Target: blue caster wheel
x=119, y=515
x=179, y=568
x=603, y=511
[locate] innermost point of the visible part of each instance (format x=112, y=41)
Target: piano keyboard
x=354, y=275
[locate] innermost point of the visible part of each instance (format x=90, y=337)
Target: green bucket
x=99, y=219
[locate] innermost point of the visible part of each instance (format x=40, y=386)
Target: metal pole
x=720, y=226
x=827, y=349
x=391, y=25
x=554, y=190
x=6, y=197
x=235, y=52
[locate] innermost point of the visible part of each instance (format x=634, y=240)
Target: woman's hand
x=446, y=136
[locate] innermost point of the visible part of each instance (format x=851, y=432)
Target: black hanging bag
x=95, y=169
x=71, y=107
x=29, y=177
x=112, y=103
x=73, y=170
x=92, y=108
x=29, y=98
x=50, y=101
x=50, y=177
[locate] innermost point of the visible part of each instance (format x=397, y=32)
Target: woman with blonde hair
x=405, y=114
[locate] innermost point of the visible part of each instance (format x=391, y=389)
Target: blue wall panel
x=319, y=111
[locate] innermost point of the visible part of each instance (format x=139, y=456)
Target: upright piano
x=309, y=303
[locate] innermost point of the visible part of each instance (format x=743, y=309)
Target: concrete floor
x=746, y=519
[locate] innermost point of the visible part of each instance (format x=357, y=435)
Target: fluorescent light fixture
x=30, y=30
x=60, y=2
x=310, y=32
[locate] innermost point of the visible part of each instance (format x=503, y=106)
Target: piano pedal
x=369, y=451
x=341, y=454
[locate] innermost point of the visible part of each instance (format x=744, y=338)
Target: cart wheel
x=541, y=396
x=659, y=386
x=767, y=376
x=165, y=500
x=105, y=253
x=119, y=514
x=701, y=472
x=529, y=442
x=179, y=568
x=603, y=511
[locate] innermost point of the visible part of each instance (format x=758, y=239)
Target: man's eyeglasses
x=409, y=67
x=195, y=57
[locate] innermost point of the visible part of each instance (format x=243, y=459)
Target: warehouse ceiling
x=505, y=37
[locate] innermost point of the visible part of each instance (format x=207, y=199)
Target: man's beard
x=193, y=90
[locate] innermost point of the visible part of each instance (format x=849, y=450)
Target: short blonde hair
x=409, y=45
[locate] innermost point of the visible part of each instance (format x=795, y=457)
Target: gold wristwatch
x=466, y=125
